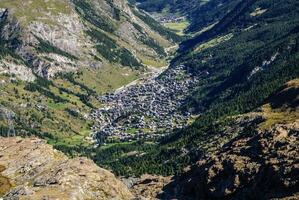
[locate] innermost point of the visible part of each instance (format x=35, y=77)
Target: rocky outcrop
x=21, y=71
x=259, y=166
x=10, y=31
x=10, y=28
x=149, y=187
x=36, y=171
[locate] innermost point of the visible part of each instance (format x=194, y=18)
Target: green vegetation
x=46, y=47
x=214, y=42
x=171, y=6
x=154, y=62
x=34, y=87
x=178, y=27
x=44, y=114
x=28, y=11
x=71, y=79
x=102, y=30
x=209, y=13
x=56, y=110
x=200, y=13
x=153, y=44
x=109, y=49
x=157, y=27
x=108, y=78
x=241, y=61
x=228, y=90
x=282, y=107
x=4, y=51
x=151, y=5
x=88, y=13
x=277, y=116
x=116, y=11
x=4, y=44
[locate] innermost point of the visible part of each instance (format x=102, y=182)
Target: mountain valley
x=149, y=99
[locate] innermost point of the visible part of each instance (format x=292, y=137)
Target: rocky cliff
x=32, y=169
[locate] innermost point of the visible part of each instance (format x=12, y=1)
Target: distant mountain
x=200, y=13
x=171, y=6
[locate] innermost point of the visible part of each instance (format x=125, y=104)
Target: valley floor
x=147, y=108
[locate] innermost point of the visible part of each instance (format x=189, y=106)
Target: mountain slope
x=253, y=57
x=201, y=14
x=241, y=101
x=70, y=36
x=259, y=166
x=258, y=163
x=56, y=57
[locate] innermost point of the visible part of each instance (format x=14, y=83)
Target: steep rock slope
x=260, y=166
x=32, y=169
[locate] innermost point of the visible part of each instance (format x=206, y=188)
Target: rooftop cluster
x=147, y=110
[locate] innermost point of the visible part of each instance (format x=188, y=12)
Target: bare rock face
x=9, y=35
x=262, y=166
x=36, y=171
x=10, y=26
x=149, y=187
x=21, y=71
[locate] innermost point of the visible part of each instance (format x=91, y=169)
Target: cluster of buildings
x=171, y=19
x=145, y=110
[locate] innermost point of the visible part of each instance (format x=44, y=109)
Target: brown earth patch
x=4, y=182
